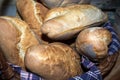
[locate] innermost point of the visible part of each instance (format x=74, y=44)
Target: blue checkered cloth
x=93, y=73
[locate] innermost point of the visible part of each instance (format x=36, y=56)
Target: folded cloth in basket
x=93, y=73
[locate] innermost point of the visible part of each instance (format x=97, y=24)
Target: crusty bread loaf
x=33, y=13
x=15, y=38
x=57, y=3
x=7, y=72
x=93, y=42
x=63, y=23
x=55, y=61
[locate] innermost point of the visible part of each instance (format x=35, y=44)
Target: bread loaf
x=55, y=61
x=57, y=3
x=64, y=23
x=15, y=38
x=93, y=43
x=33, y=13
x=7, y=73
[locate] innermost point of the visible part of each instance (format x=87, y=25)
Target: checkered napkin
x=93, y=72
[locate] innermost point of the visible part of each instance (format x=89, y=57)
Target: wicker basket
x=108, y=63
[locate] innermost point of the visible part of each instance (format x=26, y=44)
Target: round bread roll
x=93, y=42
x=64, y=23
x=55, y=61
x=15, y=38
x=58, y=3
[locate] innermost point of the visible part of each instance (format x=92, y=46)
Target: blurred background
x=7, y=7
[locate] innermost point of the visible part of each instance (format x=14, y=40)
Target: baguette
x=33, y=13
x=15, y=38
x=54, y=61
x=58, y=3
x=64, y=23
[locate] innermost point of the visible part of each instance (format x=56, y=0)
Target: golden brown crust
x=33, y=13
x=55, y=12
x=55, y=61
x=9, y=38
x=58, y=3
x=64, y=23
x=16, y=39
x=93, y=42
